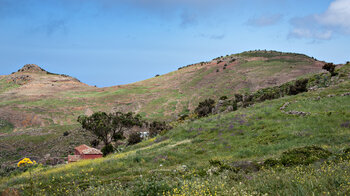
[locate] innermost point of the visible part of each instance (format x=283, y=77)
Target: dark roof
x=84, y=149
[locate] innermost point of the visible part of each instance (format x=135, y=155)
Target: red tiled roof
x=84, y=149
x=73, y=158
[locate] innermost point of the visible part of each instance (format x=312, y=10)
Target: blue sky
x=112, y=42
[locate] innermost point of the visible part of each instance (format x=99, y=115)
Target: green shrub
x=271, y=162
x=107, y=149
x=330, y=67
x=223, y=97
x=304, y=155
x=157, y=127
x=238, y=97
x=205, y=107
x=299, y=86
x=134, y=138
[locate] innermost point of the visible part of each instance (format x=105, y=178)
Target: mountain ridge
x=27, y=93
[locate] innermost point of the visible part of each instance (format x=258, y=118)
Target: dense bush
x=134, y=138
x=107, y=149
x=304, y=155
x=157, y=127
x=205, y=107
x=330, y=67
x=271, y=162
x=223, y=97
x=300, y=86
x=238, y=97
x=230, y=105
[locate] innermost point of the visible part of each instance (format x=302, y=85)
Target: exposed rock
x=331, y=95
x=31, y=68
x=346, y=94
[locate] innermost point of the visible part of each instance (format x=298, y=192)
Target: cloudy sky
x=111, y=42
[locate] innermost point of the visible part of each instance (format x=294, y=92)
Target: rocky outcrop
x=31, y=68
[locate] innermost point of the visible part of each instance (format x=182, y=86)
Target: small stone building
x=84, y=152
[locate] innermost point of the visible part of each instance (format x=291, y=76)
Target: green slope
x=42, y=108
x=199, y=157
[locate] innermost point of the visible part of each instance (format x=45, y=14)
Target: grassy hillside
x=41, y=106
x=51, y=99
x=224, y=154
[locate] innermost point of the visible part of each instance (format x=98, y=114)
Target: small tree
x=109, y=127
x=122, y=121
x=330, y=67
x=99, y=124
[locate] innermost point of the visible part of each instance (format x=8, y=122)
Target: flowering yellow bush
x=25, y=162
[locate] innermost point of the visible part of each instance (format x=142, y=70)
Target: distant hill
x=35, y=97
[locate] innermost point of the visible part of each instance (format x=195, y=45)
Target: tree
x=330, y=67
x=109, y=127
x=99, y=124
x=122, y=121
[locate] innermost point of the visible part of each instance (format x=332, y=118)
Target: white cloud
x=337, y=15
x=336, y=19
x=308, y=33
